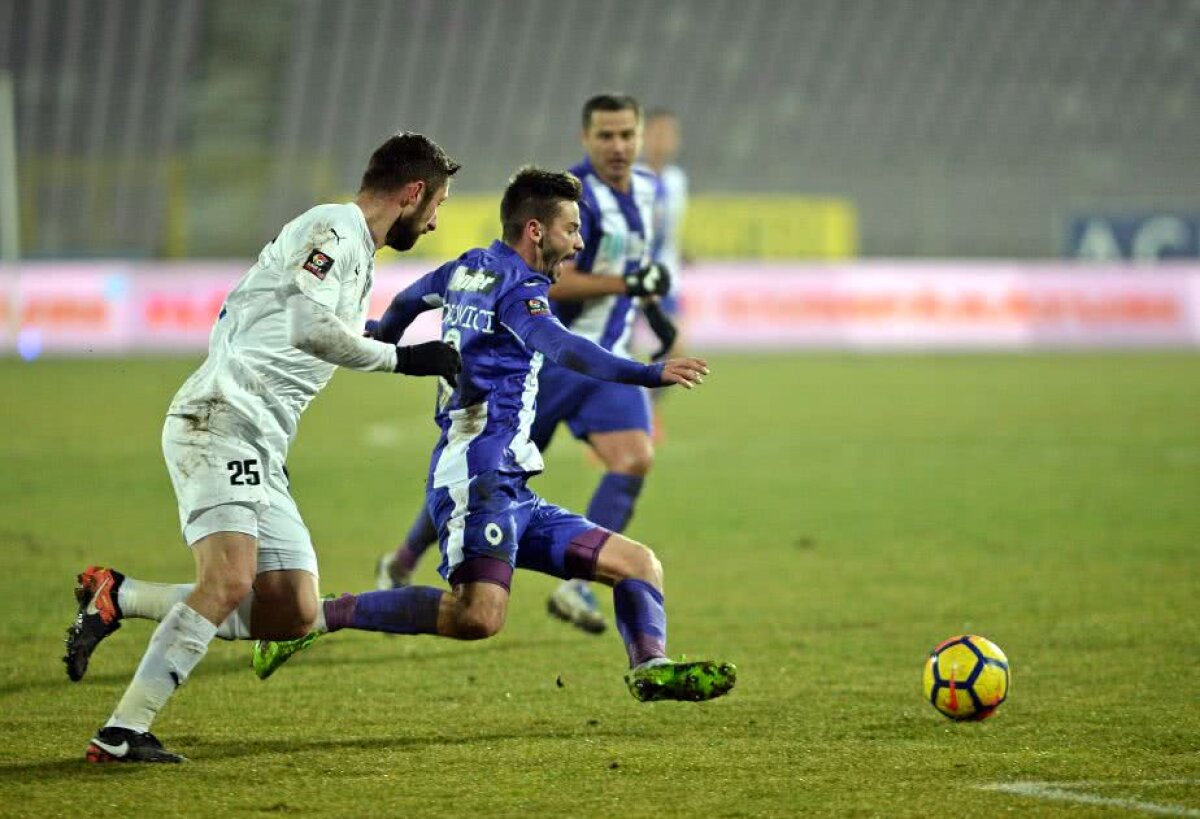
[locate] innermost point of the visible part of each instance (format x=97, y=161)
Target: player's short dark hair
x=534, y=193
x=610, y=102
x=408, y=157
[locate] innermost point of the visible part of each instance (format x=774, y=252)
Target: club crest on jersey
x=319, y=264
x=466, y=280
x=537, y=307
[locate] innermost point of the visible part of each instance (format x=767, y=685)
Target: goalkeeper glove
x=654, y=280
x=664, y=329
x=430, y=358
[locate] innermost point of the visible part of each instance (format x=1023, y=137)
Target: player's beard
x=550, y=265
x=403, y=233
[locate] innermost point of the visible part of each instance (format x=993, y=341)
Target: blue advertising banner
x=1136, y=237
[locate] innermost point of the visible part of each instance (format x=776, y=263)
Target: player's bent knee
x=226, y=591
x=646, y=566
x=477, y=608
x=474, y=624
x=625, y=559
x=637, y=463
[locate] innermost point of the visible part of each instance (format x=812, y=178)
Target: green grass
x=823, y=521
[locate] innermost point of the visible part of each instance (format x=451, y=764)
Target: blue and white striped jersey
x=489, y=298
x=668, y=239
x=619, y=232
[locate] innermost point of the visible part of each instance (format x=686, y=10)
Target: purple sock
x=612, y=503
x=420, y=537
x=410, y=610
x=641, y=620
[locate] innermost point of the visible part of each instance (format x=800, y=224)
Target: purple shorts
x=496, y=516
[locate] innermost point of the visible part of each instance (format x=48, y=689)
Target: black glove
x=654, y=280
x=662, y=326
x=430, y=358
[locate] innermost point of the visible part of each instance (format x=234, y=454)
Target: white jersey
x=668, y=249
x=670, y=253
x=253, y=372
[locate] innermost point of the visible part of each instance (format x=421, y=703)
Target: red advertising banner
x=113, y=308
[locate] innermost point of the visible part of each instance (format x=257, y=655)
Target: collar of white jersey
x=366, y=230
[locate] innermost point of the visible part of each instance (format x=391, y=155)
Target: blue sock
x=410, y=610
x=638, y=607
x=612, y=504
x=420, y=537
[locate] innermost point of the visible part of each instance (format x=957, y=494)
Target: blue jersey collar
x=503, y=251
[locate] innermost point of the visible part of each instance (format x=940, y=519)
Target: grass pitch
x=824, y=521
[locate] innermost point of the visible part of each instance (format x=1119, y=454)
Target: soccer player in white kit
x=284, y=329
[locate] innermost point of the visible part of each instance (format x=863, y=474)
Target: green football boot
x=270, y=654
x=691, y=681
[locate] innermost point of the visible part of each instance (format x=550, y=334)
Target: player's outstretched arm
x=652, y=280
x=423, y=294
x=575, y=286
x=563, y=347
x=686, y=372
x=314, y=329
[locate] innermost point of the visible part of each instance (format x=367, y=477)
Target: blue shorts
x=587, y=404
x=496, y=516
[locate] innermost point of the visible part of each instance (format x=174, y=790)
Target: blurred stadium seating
x=956, y=127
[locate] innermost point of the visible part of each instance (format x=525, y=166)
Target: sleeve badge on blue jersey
x=537, y=307
x=319, y=264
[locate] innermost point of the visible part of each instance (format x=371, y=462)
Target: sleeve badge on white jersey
x=319, y=264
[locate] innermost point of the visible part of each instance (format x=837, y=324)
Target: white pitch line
x=1056, y=791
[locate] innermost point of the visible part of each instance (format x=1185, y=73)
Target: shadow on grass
x=201, y=751
x=219, y=666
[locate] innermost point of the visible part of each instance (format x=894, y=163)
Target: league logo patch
x=537, y=307
x=319, y=264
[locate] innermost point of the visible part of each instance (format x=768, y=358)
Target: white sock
x=237, y=624
x=152, y=601
x=178, y=644
x=319, y=624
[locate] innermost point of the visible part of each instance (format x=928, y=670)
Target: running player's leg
x=283, y=602
x=479, y=522
x=286, y=600
x=106, y=597
x=282, y=605
x=395, y=569
x=615, y=421
x=225, y=568
x=566, y=545
x=219, y=509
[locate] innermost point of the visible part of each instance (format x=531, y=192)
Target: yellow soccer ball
x=966, y=677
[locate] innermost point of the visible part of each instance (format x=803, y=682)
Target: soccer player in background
x=495, y=304
x=283, y=330
x=659, y=151
x=593, y=296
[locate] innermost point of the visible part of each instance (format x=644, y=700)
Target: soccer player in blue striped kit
x=595, y=296
x=496, y=312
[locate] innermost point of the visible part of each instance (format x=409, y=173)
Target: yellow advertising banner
x=717, y=226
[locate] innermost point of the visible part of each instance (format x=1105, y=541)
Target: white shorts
x=225, y=483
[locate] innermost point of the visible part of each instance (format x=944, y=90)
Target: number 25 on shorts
x=244, y=473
